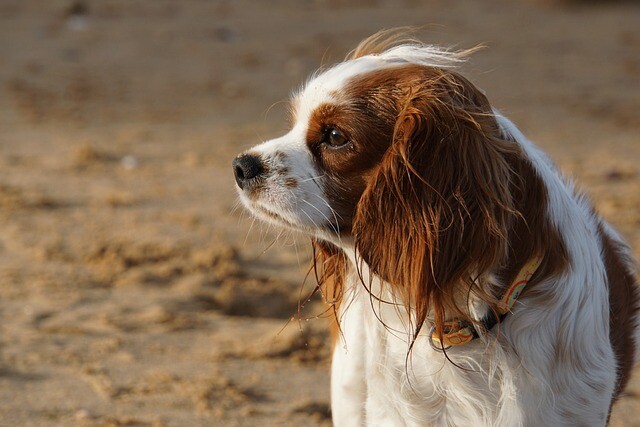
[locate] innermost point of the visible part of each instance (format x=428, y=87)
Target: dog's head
x=395, y=154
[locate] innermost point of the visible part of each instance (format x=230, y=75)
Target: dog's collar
x=459, y=332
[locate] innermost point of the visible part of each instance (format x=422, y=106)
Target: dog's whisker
x=335, y=228
x=273, y=242
x=333, y=211
x=313, y=178
x=246, y=237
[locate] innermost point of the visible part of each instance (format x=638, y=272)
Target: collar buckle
x=440, y=349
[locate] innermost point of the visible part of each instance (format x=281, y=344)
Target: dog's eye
x=334, y=138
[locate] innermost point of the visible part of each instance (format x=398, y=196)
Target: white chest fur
x=375, y=383
x=484, y=383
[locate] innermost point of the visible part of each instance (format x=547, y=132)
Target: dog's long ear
x=330, y=267
x=436, y=213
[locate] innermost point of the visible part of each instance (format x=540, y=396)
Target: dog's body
x=548, y=371
x=425, y=204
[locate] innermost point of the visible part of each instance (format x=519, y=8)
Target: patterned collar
x=459, y=332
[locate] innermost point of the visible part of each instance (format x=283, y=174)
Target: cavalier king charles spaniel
x=472, y=284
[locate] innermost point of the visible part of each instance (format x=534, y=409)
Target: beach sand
x=134, y=290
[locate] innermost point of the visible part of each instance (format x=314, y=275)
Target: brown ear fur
x=330, y=268
x=438, y=210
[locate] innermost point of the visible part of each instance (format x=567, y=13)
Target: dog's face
x=312, y=178
x=344, y=122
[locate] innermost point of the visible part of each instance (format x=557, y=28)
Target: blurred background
x=133, y=289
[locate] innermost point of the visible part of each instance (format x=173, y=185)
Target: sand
x=134, y=290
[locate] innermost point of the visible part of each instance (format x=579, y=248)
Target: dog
x=472, y=284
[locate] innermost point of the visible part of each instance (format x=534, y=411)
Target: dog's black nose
x=246, y=167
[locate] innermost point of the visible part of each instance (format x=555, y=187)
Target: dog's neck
x=381, y=293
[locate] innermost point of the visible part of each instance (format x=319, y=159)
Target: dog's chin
x=276, y=219
x=321, y=231
x=271, y=216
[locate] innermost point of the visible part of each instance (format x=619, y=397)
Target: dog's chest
x=417, y=387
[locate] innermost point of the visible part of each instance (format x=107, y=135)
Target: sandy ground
x=131, y=290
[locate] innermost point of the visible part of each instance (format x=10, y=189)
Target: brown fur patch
x=330, y=266
x=365, y=115
x=291, y=182
x=624, y=301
